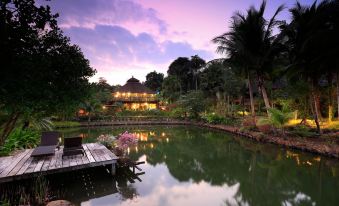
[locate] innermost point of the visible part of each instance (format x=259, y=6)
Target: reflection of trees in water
x=268, y=175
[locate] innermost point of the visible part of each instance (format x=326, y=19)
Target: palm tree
x=312, y=40
x=252, y=46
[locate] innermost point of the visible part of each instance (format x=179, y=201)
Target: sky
x=125, y=38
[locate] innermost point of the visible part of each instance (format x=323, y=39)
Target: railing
x=135, y=99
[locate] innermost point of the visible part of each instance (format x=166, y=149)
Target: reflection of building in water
x=148, y=140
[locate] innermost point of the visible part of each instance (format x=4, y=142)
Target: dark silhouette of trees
x=154, y=81
x=252, y=46
x=41, y=71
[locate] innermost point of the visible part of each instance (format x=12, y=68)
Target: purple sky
x=122, y=38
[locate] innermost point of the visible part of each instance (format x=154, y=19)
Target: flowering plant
x=126, y=140
x=106, y=140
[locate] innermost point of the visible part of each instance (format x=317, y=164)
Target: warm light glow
x=152, y=145
x=309, y=163
x=243, y=113
x=163, y=134
x=103, y=107
x=167, y=140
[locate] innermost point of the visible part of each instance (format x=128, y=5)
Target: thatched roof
x=133, y=85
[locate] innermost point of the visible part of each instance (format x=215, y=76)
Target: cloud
x=114, y=48
x=89, y=13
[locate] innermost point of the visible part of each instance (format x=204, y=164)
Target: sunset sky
x=122, y=38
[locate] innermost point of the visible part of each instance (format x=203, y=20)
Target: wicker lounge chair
x=73, y=146
x=49, y=142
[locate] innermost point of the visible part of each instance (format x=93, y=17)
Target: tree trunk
x=9, y=126
x=330, y=99
x=264, y=95
x=228, y=105
x=316, y=112
x=338, y=93
x=263, y=92
x=251, y=95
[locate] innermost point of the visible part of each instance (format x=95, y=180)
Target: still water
x=197, y=166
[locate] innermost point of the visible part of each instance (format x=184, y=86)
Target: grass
x=334, y=125
x=63, y=124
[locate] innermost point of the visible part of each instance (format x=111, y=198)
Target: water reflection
x=194, y=166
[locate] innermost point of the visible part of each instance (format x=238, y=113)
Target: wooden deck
x=22, y=165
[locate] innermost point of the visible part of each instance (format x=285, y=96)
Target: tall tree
x=180, y=68
x=171, y=88
x=154, y=81
x=186, y=70
x=41, y=71
x=252, y=46
x=196, y=65
x=312, y=39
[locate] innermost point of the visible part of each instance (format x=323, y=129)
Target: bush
x=213, y=118
x=177, y=113
x=302, y=131
x=66, y=124
x=20, y=139
x=276, y=118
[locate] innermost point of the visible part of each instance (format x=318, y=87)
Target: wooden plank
x=25, y=166
x=21, y=163
x=79, y=159
x=16, y=160
x=88, y=154
x=52, y=162
x=73, y=161
x=47, y=162
x=85, y=159
x=91, y=149
x=4, y=162
x=58, y=161
x=102, y=152
x=65, y=161
x=32, y=165
x=39, y=164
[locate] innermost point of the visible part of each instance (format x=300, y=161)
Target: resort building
x=135, y=96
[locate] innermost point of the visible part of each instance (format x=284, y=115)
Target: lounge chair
x=48, y=144
x=72, y=146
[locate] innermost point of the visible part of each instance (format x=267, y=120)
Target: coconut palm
x=312, y=40
x=252, y=46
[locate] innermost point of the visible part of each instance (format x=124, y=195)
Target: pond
x=188, y=165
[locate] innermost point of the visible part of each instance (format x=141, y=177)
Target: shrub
x=20, y=139
x=276, y=118
x=64, y=124
x=178, y=113
x=107, y=140
x=302, y=131
x=213, y=118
